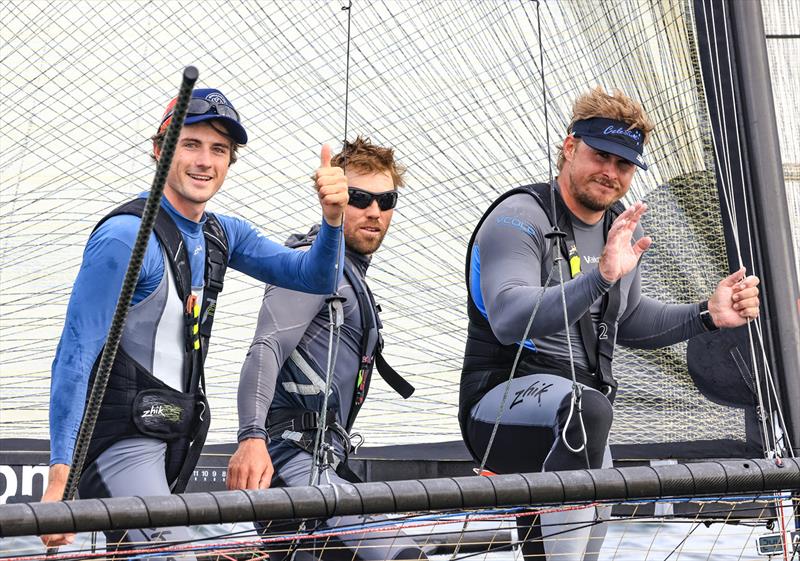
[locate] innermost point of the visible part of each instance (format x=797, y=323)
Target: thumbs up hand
x=331, y=185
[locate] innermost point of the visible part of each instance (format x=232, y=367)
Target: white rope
x=766, y=411
x=726, y=188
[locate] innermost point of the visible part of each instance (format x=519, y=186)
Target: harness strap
x=216, y=265
x=198, y=439
x=198, y=319
x=597, y=342
x=299, y=426
x=391, y=377
x=371, y=350
x=170, y=237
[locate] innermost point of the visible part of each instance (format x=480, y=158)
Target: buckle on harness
x=309, y=420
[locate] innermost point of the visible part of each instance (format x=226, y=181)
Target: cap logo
x=217, y=98
x=634, y=134
x=612, y=136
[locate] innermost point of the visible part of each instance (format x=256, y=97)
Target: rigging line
x=520, y=346
x=349, y=10
x=683, y=541
x=577, y=392
x=558, y=238
x=555, y=248
x=556, y=258
x=335, y=308
x=723, y=151
x=774, y=391
x=748, y=230
x=737, y=137
x=723, y=154
x=319, y=463
x=766, y=411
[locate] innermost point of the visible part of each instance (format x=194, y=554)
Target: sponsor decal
x=210, y=309
x=165, y=411
x=25, y=483
x=635, y=134
x=20, y=484
x=536, y=390
x=218, y=98
x=514, y=222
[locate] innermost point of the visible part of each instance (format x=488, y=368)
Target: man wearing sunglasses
x=154, y=416
x=283, y=378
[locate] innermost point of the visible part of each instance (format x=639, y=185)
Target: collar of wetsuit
x=359, y=261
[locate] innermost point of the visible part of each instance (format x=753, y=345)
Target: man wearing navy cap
x=154, y=416
x=543, y=424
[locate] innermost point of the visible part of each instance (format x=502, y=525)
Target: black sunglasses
x=362, y=199
x=199, y=106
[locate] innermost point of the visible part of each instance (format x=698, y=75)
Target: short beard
x=363, y=247
x=591, y=203
x=585, y=198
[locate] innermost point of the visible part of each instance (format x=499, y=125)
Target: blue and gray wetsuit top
x=154, y=333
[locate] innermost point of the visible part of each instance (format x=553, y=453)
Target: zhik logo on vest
x=165, y=411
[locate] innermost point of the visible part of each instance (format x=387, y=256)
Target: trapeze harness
x=487, y=362
x=299, y=426
x=136, y=403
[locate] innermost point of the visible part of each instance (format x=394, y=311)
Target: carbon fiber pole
x=129, y=284
x=708, y=479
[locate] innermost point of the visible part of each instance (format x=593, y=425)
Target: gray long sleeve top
x=290, y=322
x=511, y=251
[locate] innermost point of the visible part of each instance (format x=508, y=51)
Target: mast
x=735, y=30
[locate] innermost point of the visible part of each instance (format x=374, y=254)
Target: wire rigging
x=323, y=455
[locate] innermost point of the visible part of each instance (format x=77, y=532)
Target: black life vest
x=370, y=358
x=136, y=403
x=487, y=362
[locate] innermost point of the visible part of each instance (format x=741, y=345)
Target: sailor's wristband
x=705, y=317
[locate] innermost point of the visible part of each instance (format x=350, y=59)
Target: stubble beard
x=362, y=246
x=584, y=196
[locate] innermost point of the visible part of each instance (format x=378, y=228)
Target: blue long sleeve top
x=97, y=286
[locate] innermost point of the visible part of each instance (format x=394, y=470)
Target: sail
x=454, y=87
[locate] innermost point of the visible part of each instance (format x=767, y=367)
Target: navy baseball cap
x=612, y=136
x=207, y=104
